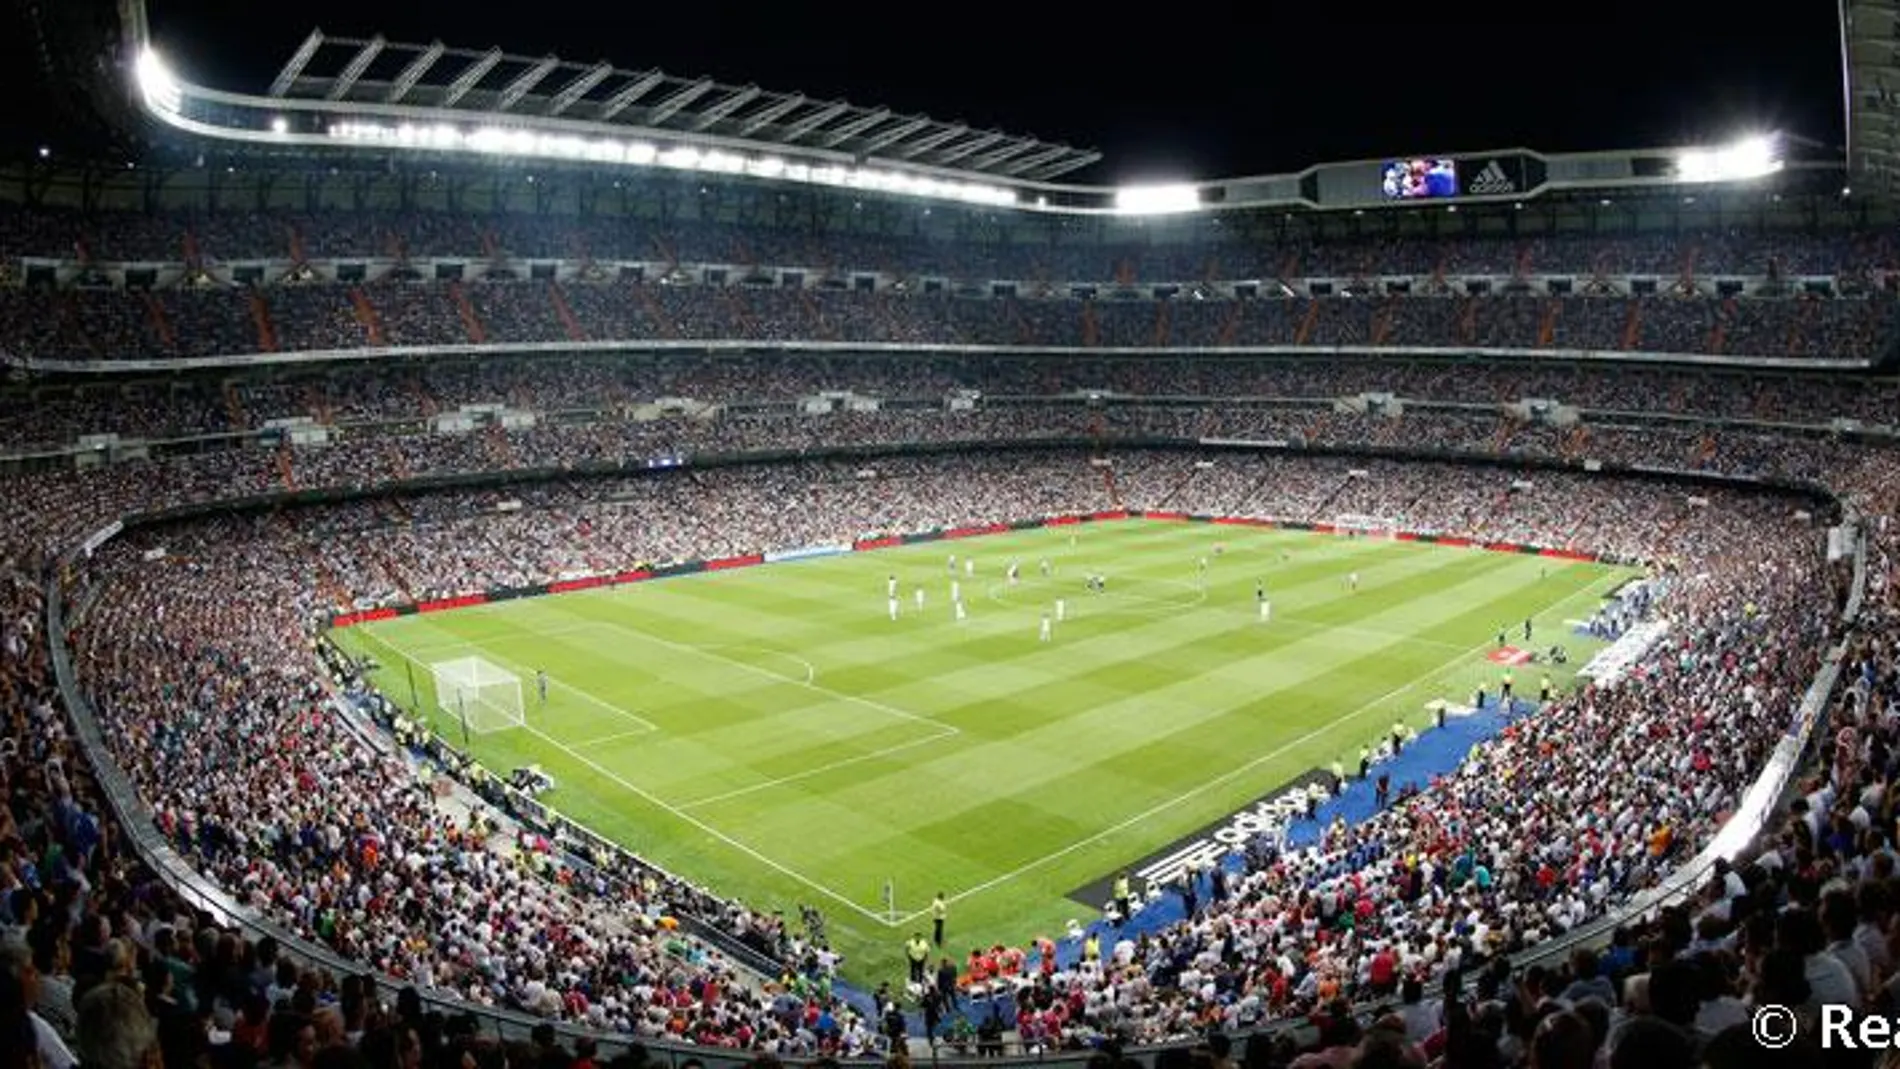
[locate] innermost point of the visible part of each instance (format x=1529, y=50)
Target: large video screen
x=1420, y=177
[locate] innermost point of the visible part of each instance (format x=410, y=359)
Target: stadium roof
x=1870, y=41
x=493, y=83
x=355, y=96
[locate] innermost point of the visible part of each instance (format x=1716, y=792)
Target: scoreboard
x=1501, y=175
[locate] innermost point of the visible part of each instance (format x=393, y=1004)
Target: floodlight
x=280, y=125
x=684, y=158
x=1156, y=200
x=157, y=84
x=1750, y=157
x=527, y=143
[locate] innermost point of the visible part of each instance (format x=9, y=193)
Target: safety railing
x=717, y=348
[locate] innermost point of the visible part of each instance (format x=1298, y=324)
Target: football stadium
x=515, y=560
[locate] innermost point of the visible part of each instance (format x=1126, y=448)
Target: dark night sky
x=1216, y=91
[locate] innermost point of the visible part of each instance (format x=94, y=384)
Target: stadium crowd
x=213, y=734
x=368, y=456
x=380, y=401
x=196, y=640
x=215, y=320
x=766, y=284
x=1189, y=253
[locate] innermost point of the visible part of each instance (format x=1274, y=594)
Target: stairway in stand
x=234, y=407
x=260, y=321
x=286, y=470
x=161, y=324
x=570, y=324
x=465, y=308
x=367, y=316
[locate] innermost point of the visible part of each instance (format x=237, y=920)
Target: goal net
x=1363, y=526
x=478, y=693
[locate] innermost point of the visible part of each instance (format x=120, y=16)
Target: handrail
x=141, y=834
x=729, y=347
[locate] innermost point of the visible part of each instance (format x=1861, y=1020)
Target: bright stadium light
x=1751, y=157
x=157, y=84
x=526, y=143
x=1156, y=200
x=686, y=159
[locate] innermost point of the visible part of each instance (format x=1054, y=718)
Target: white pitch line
x=444, y=647
x=591, y=699
x=1224, y=777
x=868, y=703
x=811, y=673
x=615, y=737
x=1397, y=638
x=676, y=811
x=645, y=725
x=829, y=767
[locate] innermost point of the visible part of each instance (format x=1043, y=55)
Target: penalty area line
x=821, y=769
x=640, y=722
x=743, y=666
x=721, y=836
x=667, y=807
x=618, y=736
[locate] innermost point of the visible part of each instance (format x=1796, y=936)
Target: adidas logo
x=1492, y=179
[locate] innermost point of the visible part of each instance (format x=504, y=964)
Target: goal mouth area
x=478, y=693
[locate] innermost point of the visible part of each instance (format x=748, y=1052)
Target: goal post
x=478, y=693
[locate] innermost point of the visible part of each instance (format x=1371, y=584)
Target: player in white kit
x=1062, y=609
x=890, y=587
x=1353, y=580
x=956, y=591
x=960, y=611
x=1048, y=629
x=918, y=596
x=969, y=568
x=893, y=608
x=1266, y=610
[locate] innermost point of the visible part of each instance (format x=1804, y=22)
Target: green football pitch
x=772, y=734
